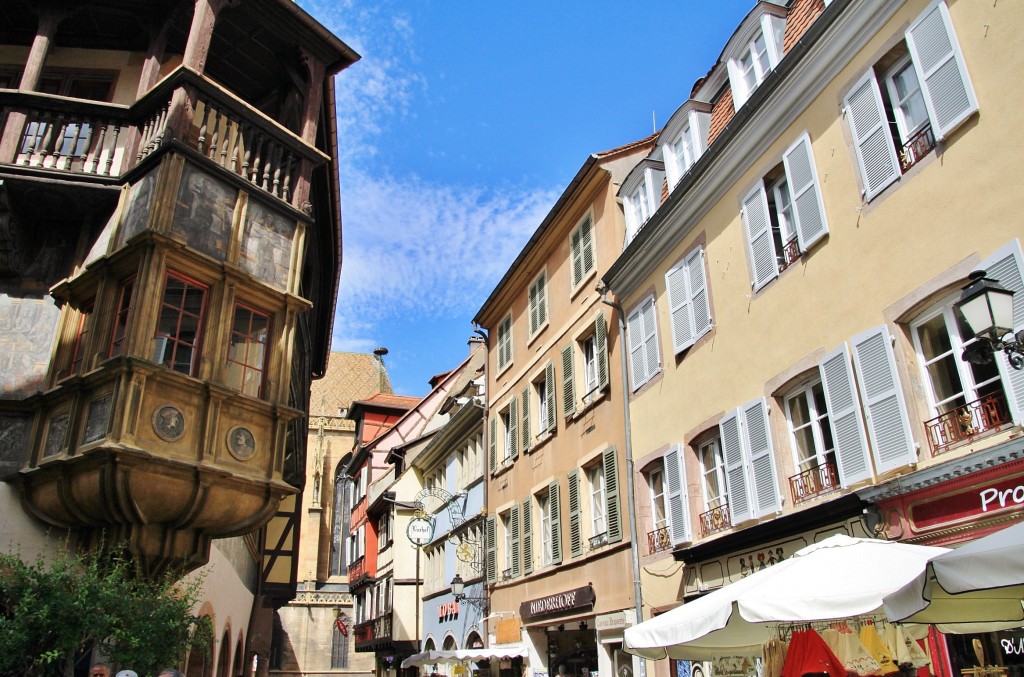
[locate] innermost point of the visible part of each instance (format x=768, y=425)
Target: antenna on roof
x=654, y=124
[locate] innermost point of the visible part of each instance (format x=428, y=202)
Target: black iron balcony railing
x=814, y=481
x=658, y=540
x=47, y=133
x=967, y=422
x=916, y=147
x=714, y=520
x=598, y=540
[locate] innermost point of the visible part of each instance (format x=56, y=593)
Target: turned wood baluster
x=289, y=167
x=260, y=142
x=215, y=136
x=247, y=141
x=113, y=150
x=161, y=126
x=50, y=140
x=229, y=132
x=277, y=172
x=147, y=131
x=96, y=149
x=267, y=166
x=202, y=127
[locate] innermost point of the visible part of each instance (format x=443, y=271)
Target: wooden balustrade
x=59, y=134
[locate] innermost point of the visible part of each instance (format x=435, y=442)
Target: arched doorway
x=224, y=659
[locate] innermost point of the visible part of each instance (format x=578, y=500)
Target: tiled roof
x=628, y=147
x=390, y=400
x=349, y=377
x=720, y=115
x=802, y=14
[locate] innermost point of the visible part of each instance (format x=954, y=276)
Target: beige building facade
x=557, y=525
x=793, y=346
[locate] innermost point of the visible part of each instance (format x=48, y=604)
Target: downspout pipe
x=630, y=491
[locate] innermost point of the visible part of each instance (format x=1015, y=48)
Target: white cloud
x=413, y=247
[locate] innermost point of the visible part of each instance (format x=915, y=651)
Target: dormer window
x=640, y=193
x=755, y=49
x=684, y=139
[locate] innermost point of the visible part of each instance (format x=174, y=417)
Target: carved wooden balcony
x=46, y=135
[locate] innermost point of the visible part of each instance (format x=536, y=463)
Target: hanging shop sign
x=420, y=531
x=981, y=500
x=561, y=602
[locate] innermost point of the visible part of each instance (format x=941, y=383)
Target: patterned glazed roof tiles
x=350, y=377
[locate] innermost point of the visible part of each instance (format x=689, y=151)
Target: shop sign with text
x=570, y=600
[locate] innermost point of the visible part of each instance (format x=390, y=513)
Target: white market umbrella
x=840, y=577
x=976, y=588
x=463, y=655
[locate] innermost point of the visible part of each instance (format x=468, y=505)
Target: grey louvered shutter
x=555, y=506
x=525, y=426
x=587, y=238
x=491, y=565
x=492, y=444
x=808, y=207
x=677, y=283
x=613, y=512
x=568, y=384
x=941, y=70
x=676, y=497
x=526, y=517
x=601, y=350
x=886, y=412
x=1007, y=266
x=575, y=516
x=513, y=429
x=700, y=304
x=758, y=438
x=734, y=458
x=576, y=244
x=853, y=460
x=514, y=544
x=534, y=307
x=764, y=266
x=651, y=351
x=876, y=155
x=549, y=389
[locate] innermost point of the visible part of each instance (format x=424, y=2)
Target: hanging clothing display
x=808, y=654
x=773, y=657
x=908, y=653
x=846, y=644
x=879, y=651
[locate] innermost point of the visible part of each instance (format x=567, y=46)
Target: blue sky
x=460, y=127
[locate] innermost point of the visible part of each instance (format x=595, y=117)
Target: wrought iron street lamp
x=987, y=308
x=458, y=590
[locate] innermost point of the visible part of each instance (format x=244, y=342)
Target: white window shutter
x=651, y=351
x=809, y=209
x=764, y=266
x=740, y=508
x=700, y=304
x=886, y=412
x=941, y=69
x=1007, y=266
x=524, y=429
x=876, y=155
x=634, y=336
x=677, y=498
x=758, y=439
x=844, y=415
x=679, y=306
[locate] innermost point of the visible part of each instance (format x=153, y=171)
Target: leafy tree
x=53, y=611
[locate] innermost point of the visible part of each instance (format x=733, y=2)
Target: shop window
x=247, y=351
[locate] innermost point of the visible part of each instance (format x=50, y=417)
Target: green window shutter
x=601, y=348
x=493, y=444
x=542, y=300
x=527, y=539
x=577, y=255
x=513, y=526
x=534, y=307
x=549, y=387
x=554, y=504
x=526, y=418
x=568, y=387
x=491, y=565
x=611, y=495
x=513, y=429
x=575, y=517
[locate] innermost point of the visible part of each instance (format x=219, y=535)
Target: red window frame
x=173, y=346
x=248, y=369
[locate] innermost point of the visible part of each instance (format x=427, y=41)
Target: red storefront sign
x=986, y=499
